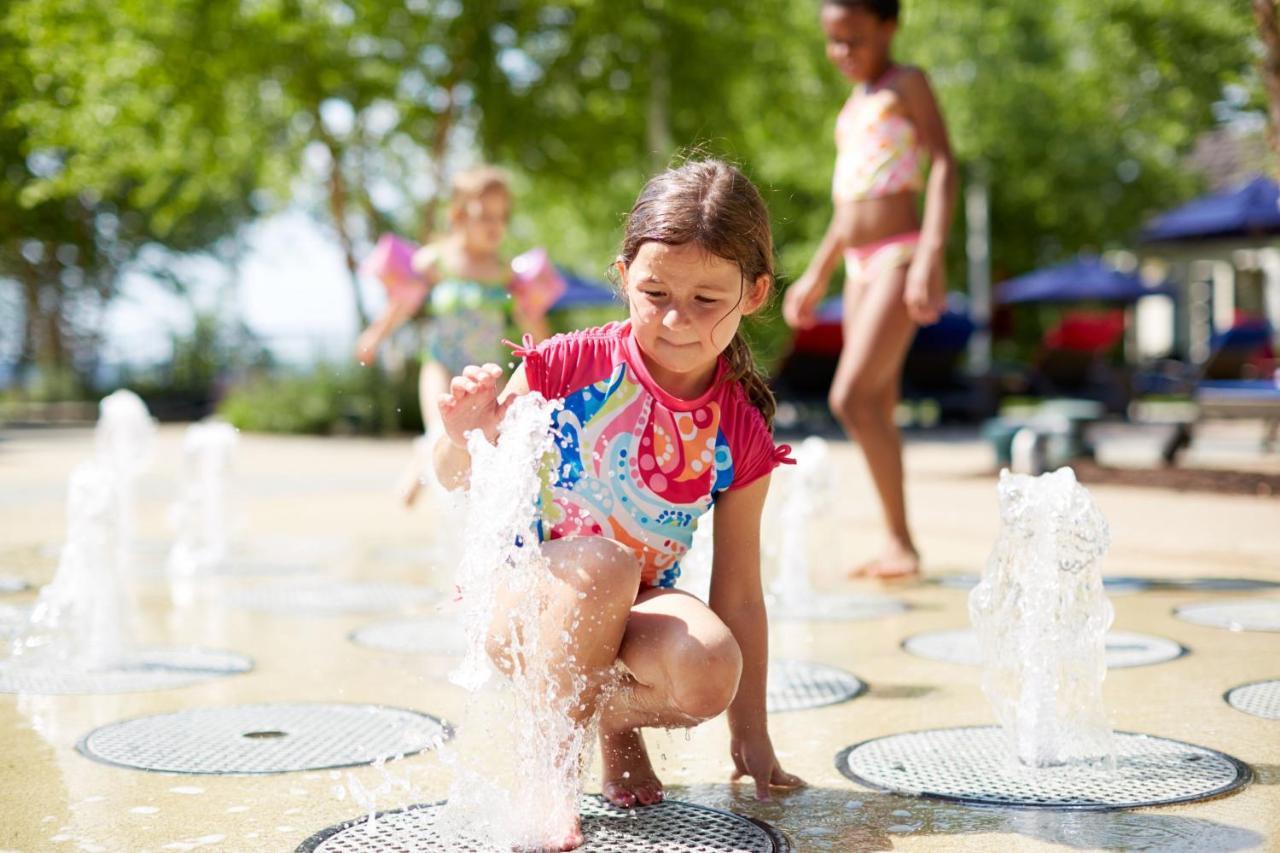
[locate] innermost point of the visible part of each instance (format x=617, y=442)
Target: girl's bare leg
x=864, y=392
x=683, y=666
x=433, y=380
x=586, y=601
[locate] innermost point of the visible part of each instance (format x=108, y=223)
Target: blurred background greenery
x=137, y=135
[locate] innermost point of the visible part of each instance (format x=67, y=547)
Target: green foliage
x=126, y=123
x=327, y=400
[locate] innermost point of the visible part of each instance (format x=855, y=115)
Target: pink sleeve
x=751, y=444
x=564, y=363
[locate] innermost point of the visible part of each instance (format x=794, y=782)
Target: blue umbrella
x=1086, y=279
x=583, y=293
x=1252, y=208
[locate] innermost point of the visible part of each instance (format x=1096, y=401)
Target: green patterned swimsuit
x=468, y=320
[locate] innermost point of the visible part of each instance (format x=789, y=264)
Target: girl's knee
x=856, y=403
x=605, y=570
x=705, y=674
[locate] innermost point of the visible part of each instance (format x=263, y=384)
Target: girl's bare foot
x=571, y=841
x=898, y=561
x=628, y=779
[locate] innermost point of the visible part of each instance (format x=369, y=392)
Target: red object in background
x=820, y=339
x=1086, y=331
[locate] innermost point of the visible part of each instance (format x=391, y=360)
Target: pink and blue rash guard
x=631, y=461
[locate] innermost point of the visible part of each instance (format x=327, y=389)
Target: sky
x=292, y=290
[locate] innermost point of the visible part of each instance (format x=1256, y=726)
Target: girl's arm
x=806, y=292
x=926, y=287
x=395, y=316
x=397, y=312
x=737, y=597
x=472, y=402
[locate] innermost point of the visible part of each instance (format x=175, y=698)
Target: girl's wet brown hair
x=712, y=204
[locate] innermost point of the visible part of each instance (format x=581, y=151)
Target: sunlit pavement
x=328, y=504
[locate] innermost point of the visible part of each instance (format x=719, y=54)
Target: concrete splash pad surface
x=59, y=794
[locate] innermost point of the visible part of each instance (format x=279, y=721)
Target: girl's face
x=857, y=41
x=483, y=221
x=685, y=306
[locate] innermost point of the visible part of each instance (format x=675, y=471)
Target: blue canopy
x=1086, y=279
x=584, y=293
x=1250, y=209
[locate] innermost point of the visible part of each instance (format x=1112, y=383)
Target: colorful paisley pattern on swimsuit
x=632, y=462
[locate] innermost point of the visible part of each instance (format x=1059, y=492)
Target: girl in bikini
x=468, y=306
x=663, y=416
x=893, y=260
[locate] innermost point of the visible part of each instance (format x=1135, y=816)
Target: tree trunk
x=439, y=147
x=338, y=211
x=1268, y=17
x=661, y=142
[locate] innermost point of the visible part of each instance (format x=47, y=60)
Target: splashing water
x=77, y=621
x=200, y=514
x=518, y=760
x=804, y=495
x=1042, y=616
x=123, y=439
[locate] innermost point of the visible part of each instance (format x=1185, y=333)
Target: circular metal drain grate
x=970, y=765
x=249, y=739
x=10, y=584
x=670, y=826
x=1114, y=585
x=831, y=607
x=418, y=636
x=324, y=599
x=147, y=669
x=798, y=685
x=1241, y=614
x=1261, y=698
x=1124, y=649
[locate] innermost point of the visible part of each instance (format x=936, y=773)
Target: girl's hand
x=801, y=301
x=472, y=403
x=926, y=289
x=753, y=756
x=367, y=346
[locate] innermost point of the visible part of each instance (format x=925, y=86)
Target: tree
x=112, y=146
x=1268, y=19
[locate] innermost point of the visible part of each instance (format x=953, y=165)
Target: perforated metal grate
x=418, y=636
x=147, y=669
x=1124, y=649
x=832, y=607
x=325, y=599
x=1115, y=585
x=1240, y=614
x=798, y=685
x=10, y=584
x=970, y=765
x=1261, y=698
x=250, y=739
x=671, y=827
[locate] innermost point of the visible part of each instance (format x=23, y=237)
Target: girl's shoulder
x=565, y=362
x=750, y=438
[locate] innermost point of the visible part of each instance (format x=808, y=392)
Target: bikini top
x=877, y=149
